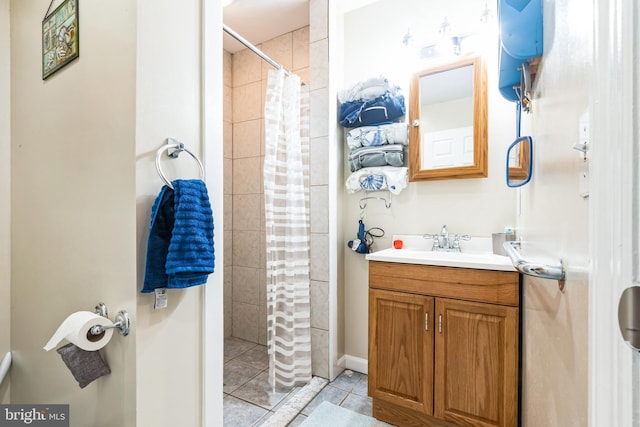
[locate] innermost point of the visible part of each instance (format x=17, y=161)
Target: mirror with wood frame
x=448, y=121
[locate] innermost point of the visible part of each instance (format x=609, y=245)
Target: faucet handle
x=435, y=238
x=457, y=238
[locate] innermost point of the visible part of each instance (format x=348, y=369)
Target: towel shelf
x=178, y=147
x=545, y=271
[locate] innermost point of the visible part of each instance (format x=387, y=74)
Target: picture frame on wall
x=60, y=37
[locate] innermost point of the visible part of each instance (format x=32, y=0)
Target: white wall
x=555, y=220
x=73, y=205
x=168, y=87
x=5, y=191
x=372, y=47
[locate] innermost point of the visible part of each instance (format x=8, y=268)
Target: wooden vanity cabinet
x=443, y=345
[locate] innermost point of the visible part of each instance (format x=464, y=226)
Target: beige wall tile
x=247, y=102
x=300, y=49
x=320, y=352
x=245, y=321
x=319, y=257
x=262, y=137
x=227, y=136
x=319, y=167
x=280, y=49
x=319, y=293
x=246, y=284
x=263, y=286
x=228, y=176
x=318, y=19
x=319, y=105
x=247, y=176
x=263, y=221
x=227, y=113
x=246, y=248
x=319, y=197
x=228, y=212
x=246, y=212
x=263, y=249
x=319, y=64
x=304, y=75
x=228, y=248
x=262, y=325
x=228, y=301
x=246, y=139
x=246, y=67
x=227, y=71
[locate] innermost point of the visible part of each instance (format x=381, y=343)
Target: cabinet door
x=476, y=363
x=401, y=349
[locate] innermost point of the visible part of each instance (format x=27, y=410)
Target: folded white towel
x=366, y=136
x=390, y=178
x=368, y=89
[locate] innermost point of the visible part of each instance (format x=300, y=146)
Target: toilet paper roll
x=75, y=329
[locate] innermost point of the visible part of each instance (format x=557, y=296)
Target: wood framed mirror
x=448, y=121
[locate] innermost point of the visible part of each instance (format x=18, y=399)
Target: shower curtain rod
x=253, y=48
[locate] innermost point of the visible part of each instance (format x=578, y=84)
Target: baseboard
x=357, y=364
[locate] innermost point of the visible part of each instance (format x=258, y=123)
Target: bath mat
x=328, y=414
x=287, y=412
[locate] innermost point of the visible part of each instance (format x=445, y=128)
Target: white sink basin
x=476, y=253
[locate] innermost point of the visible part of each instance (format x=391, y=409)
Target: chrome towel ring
x=178, y=148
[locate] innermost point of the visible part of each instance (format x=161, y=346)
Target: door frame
x=212, y=321
x=612, y=209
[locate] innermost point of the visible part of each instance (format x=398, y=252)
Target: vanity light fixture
x=447, y=41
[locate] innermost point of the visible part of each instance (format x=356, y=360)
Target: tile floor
x=249, y=400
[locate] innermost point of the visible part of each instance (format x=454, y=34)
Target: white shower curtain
x=286, y=193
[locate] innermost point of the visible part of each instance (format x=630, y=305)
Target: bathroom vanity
x=443, y=342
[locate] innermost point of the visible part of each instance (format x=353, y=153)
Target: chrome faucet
x=444, y=233
x=442, y=242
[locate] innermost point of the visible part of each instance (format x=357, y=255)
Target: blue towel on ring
x=180, y=248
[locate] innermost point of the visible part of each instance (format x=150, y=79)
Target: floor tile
x=234, y=347
x=256, y=357
x=329, y=394
x=238, y=413
x=237, y=374
x=249, y=400
x=361, y=388
x=347, y=380
x=359, y=404
x=260, y=392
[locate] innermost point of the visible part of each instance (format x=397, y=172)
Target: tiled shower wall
x=245, y=277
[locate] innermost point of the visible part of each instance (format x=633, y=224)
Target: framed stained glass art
x=60, y=37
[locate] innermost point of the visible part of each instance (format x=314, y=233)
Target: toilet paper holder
x=122, y=323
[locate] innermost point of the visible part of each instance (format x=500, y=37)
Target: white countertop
x=476, y=253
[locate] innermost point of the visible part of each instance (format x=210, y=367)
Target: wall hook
x=387, y=201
